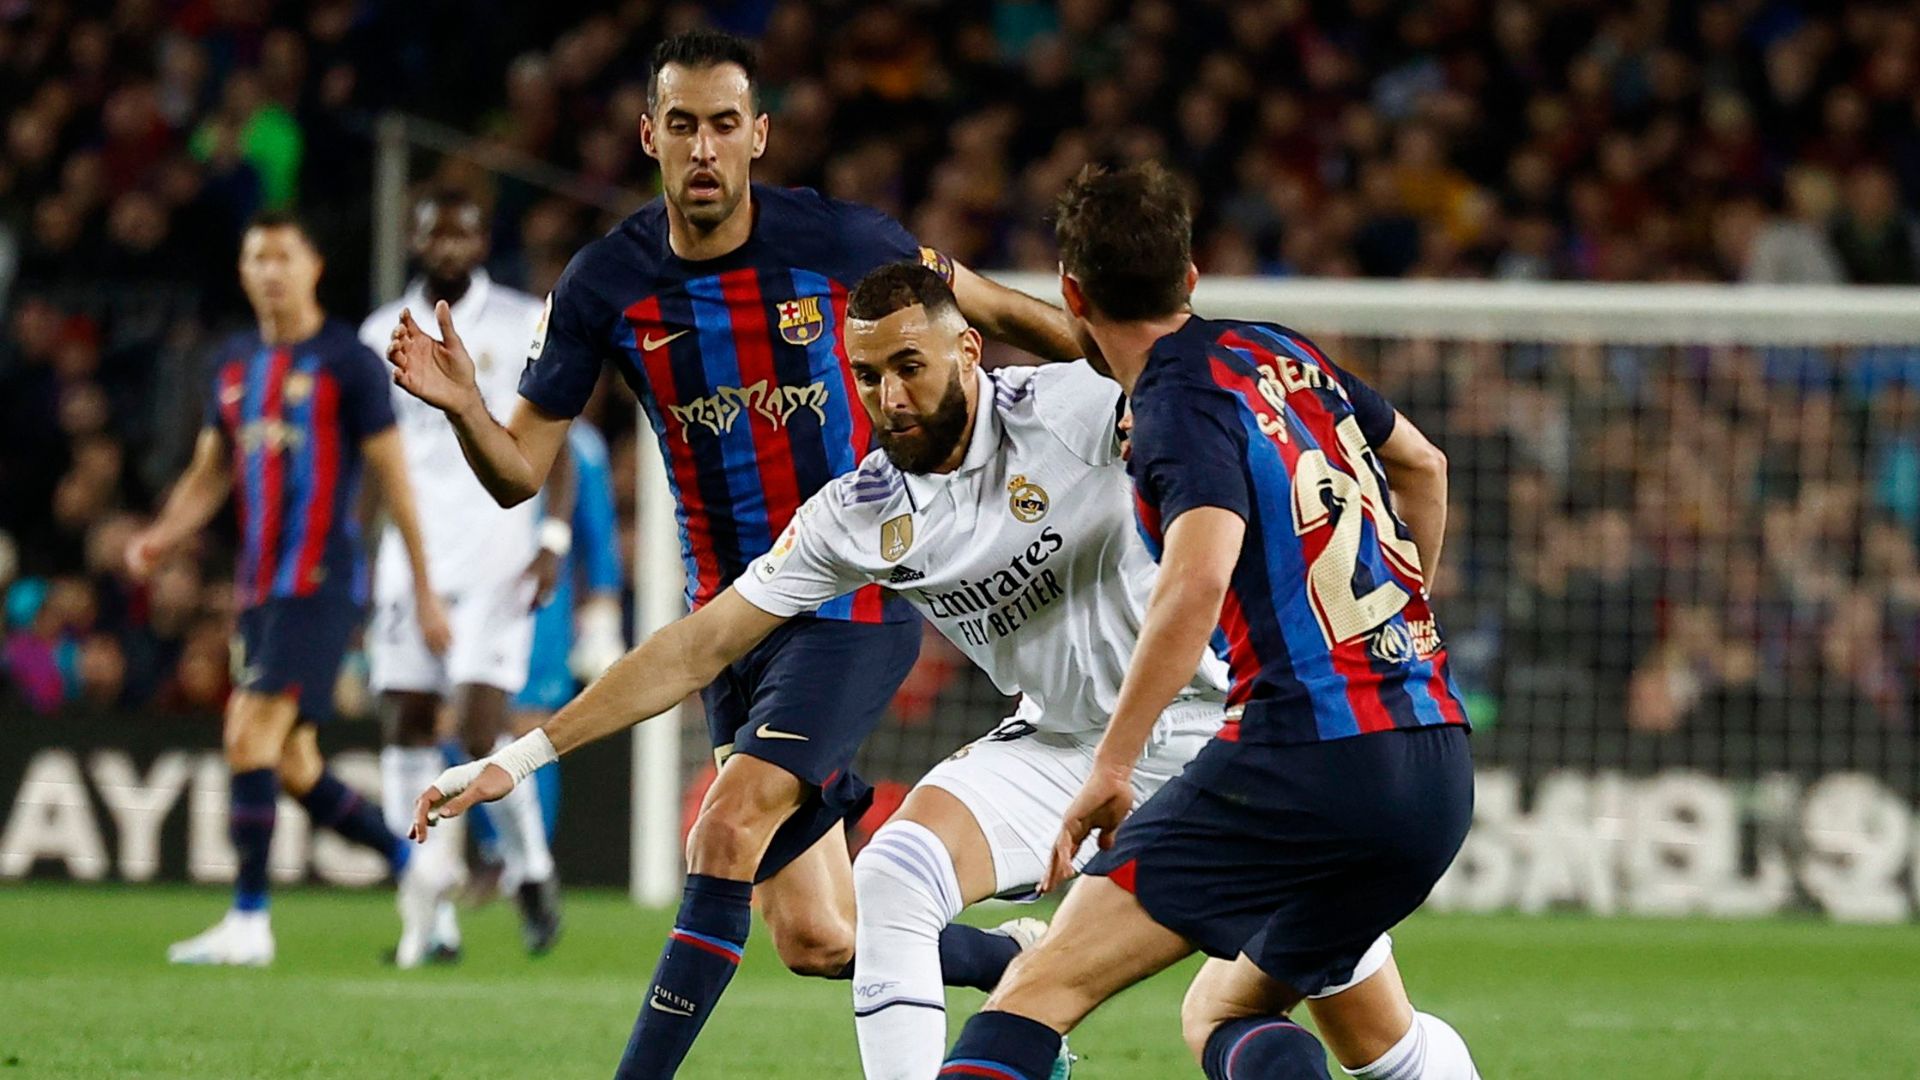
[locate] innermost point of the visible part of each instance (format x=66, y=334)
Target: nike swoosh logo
x=766, y=731
x=651, y=343
x=655, y=1002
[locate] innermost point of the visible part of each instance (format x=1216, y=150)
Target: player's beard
x=939, y=432
x=708, y=216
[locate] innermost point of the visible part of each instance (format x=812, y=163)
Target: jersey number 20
x=1344, y=613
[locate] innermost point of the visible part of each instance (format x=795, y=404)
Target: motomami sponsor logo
x=1681, y=843
x=52, y=821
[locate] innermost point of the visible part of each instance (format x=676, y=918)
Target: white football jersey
x=1025, y=557
x=470, y=538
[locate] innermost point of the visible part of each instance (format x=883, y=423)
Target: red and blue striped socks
x=702, y=953
x=1002, y=1046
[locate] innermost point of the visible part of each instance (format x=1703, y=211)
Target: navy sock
x=1002, y=1046
x=1264, y=1047
x=333, y=805
x=700, y=957
x=970, y=956
x=254, y=794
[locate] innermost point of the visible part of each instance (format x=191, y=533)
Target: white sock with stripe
x=905, y=893
x=1430, y=1050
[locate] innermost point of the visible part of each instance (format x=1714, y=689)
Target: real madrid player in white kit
x=999, y=506
x=491, y=568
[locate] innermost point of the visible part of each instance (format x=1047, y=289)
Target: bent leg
x=744, y=807
x=921, y=869
x=1101, y=942
x=1374, y=1032
x=1235, y=1023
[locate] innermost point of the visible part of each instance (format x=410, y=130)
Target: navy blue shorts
x=805, y=699
x=1298, y=856
x=294, y=646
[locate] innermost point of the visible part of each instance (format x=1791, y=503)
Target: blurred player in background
x=1297, y=518
x=294, y=408
x=491, y=571
x=721, y=304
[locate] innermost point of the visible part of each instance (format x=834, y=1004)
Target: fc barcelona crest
x=800, y=320
x=298, y=387
x=896, y=537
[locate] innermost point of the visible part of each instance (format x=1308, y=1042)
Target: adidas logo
x=904, y=574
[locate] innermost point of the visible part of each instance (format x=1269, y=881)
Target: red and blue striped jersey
x=293, y=417
x=1325, y=628
x=739, y=364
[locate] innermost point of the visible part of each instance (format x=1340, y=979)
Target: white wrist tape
x=521, y=757
x=556, y=536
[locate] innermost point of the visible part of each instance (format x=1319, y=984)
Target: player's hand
x=544, y=573
x=147, y=550
x=433, y=622
x=439, y=373
x=456, y=791
x=1104, y=802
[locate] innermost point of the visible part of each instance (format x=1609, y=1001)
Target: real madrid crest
x=896, y=536
x=299, y=387
x=1028, y=500
x=800, y=320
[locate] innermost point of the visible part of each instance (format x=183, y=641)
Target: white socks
x=1430, y=1050
x=905, y=893
x=405, y=772
x=522, y=832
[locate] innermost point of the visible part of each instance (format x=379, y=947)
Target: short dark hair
x=1126, y=235
x=283, y=219
x=897, y=287
x=704, y=48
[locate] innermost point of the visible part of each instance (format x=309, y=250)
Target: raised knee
x=1198, y=1017
x=726, y=840
x=814, y=948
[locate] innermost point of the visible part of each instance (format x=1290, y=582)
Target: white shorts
x=492, y=629
x=1018, y=783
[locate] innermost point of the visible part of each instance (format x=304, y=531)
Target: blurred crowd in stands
x=1735, y=524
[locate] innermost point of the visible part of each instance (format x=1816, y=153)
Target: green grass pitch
x=84, y=992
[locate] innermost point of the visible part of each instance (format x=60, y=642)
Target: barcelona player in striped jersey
x=295, y=409
x=1297, y=518
x=721, y=304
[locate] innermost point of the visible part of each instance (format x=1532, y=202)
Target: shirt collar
x=983, y=445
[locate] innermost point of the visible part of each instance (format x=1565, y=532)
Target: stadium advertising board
x=111, y=798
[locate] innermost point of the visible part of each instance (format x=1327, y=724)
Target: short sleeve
x=1373, y=412
x=802, y=570
x=366, y=403
x=564, y=358
x=1189, y=451
x=879, y=240
x=1079, y=405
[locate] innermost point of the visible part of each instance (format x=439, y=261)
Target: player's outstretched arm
x=659, y=673
x=196, y=497
x=1417, y=482
x=1196, y=567
x=511, y=460
x=1012, y=316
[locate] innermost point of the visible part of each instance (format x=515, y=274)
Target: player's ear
x=761, y=124
x=971, y=346
x=1193, y=278
x=1076, y=300
x=646, y=136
